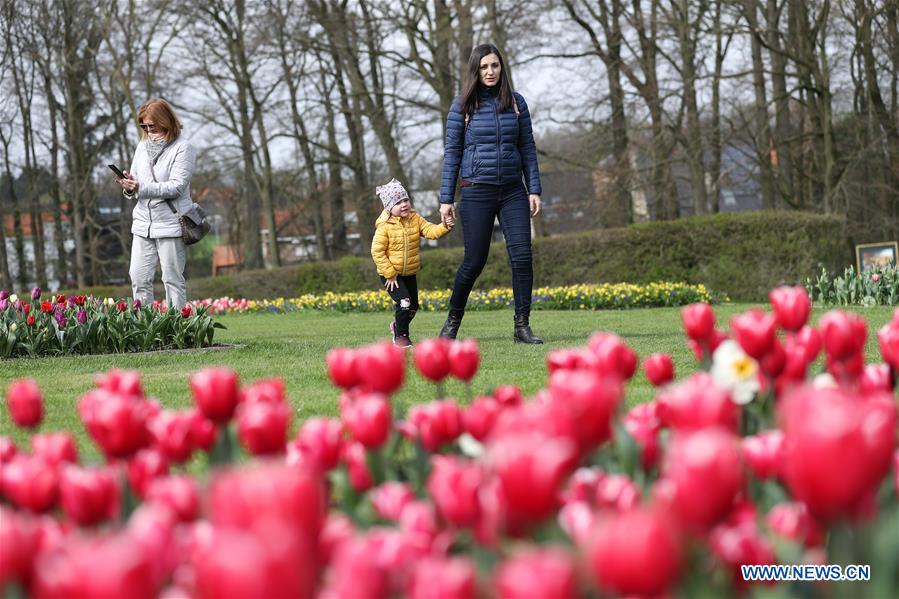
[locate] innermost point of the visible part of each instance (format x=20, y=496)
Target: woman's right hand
x=447, y=214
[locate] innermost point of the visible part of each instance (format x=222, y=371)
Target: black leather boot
x=523, y=333
x=451, y=326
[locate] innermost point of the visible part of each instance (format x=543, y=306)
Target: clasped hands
x=448, y=211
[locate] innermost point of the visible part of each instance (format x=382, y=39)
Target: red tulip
x=172, y=433
x=123, y=382
x=508, y=395
x=419, y=520
x=320, y=440
x=763, y=453
x=618, y=492
x=577, y=519
x=449, y=577
x=792, y=306
x=437, y=423
x=7, y=449
x=117, y=423
x=30, y=482
x=454, y=484
x=357, y=467
x=659, y=369
x=642, y=422
x=265, y=391
x=697, y=403
x=888, y=339
x=144, y=466
x=25, y=403
x=740, y=545
x=564, y=359
x=338, y=529
x=178, y=493
x=636, y=552
x=88, y=496
x=355, y=572
x=706, y=471
x=480, y=417
x=55, y=448
x=342, y=367
x=18, y=547
x=775, y=361
x=537, y=572
x=582, y=485
x=262, y=427
x=876, y=377
x=253, y=497
x=390, y=498
x=464, y=357
x=589, y=400
x=844, y=334
x=531, y=469
x=792, y=521
x=754, y=331
x=30, y=320
x=381, y=366
x=202, y=430
x=612, y=356
x=432, y=358
x=216, y=392
x=72, y=569
x=699, y=321
x=810, y=340
x=368, y=420
x=836, y=448
x=152, y=528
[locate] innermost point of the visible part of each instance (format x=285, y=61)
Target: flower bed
x=63, y=325
x=560, y=495
x=574, y=297
x=875, y=287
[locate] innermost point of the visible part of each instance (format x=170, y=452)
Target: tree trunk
x=762, y=133
x=783, y=140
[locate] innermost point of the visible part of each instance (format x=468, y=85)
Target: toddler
x=395, y=251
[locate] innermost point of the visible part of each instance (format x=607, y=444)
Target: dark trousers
x=481, y=204
x=406, y=299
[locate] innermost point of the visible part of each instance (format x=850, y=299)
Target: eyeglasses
x=148, y=126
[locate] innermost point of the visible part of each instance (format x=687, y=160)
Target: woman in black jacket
x=490, y=144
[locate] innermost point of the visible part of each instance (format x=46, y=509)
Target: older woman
x=489, y=142
x=159, y=184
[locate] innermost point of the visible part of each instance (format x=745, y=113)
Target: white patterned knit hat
x=391, y=194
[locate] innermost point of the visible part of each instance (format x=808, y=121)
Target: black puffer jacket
x=494, y=147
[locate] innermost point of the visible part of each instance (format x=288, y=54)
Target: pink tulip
x=618, y=492
x=7, y=449
x=121, y=382
x=464, y=357
x=172, y=433
x=612, y=356
x=699, y=321
x=659, y=369
x=355, y=572
x=837, y=447
x=582, y=485
x=449, y=577
x=357, y=467
x=793, y=522
x=564, y=359
x=792, y=306
x=706, y=470
x=763, y=453
x=320, y=440
x=368, y=419
x=381, y=366
x=888, y=339
x=88, y=496
x=589, y=400
x=342, y=367
x=179, y=493
x=740, y=545
x=337, y=529
x=480, y=417
x=202, y=430
x=30, y=482
x=531, y=469
x=508, y=395
x=390, y=498
x=876, y=377
x=454, y=484
x=262, y=427
x=55, y=448
x=18, y=547
x=117, y=423
x=432, y=358
x=437, y=423
x=265, y=391
x=25, y=403
x=843, y=333
x=152, y=528
x=636, y=552
x=754, y=331
x=216, y=392
x=810, y=340
x=537, y=572
x=642, y=423
x=697, y=403
x=143, y=467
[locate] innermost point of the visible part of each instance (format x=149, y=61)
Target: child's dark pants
x=406, y=299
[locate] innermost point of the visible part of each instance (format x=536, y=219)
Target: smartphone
x=116, y=170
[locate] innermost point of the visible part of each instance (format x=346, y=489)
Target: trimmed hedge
x=742, y=255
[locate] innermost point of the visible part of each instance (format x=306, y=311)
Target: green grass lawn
x=293, y=346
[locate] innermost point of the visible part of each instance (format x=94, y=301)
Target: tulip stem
x=223, y=450
x=439, y=389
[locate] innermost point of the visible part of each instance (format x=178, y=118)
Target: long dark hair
x=468, y=99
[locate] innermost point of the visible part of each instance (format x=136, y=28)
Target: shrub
x=741, y=255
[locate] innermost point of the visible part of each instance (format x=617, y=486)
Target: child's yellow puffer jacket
x=395, y=245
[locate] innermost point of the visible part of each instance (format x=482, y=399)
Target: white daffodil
x=824, y=381
x=13, y=298
x=735, y=371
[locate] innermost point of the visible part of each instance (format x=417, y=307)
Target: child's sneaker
x=400, y=340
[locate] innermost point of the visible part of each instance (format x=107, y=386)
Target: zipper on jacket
x=405, y=247
x=499, y=148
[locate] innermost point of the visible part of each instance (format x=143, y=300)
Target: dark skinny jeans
x=481, y=204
